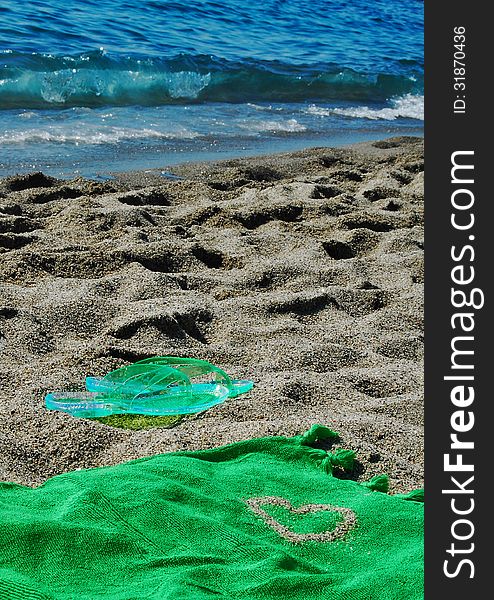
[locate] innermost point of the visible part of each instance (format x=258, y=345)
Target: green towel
x=261, y=519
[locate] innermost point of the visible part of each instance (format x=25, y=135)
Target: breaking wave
x=95, y=79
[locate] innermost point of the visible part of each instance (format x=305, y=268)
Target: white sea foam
x=265, y=108
x=287, y=126
x=407, y=107
x=91, y=136
x=28, y=114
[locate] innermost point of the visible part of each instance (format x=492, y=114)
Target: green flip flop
x=169, y=386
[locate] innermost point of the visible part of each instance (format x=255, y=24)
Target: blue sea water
x=91, y=86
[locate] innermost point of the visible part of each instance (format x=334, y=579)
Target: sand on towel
x=302, y=271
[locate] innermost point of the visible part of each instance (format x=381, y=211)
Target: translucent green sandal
x=156, y=386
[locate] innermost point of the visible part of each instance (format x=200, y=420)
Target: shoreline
x=302, y=271
x=126, y=157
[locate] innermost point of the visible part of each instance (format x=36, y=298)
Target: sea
x=93, y=87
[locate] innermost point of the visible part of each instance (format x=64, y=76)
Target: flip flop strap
x=191, y=367
x=135, y=381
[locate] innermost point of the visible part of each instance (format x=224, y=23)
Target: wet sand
x=302, y=271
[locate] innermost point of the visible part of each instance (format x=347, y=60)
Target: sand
x=302, y=271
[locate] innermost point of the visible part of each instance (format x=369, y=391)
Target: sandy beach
x=302, y=271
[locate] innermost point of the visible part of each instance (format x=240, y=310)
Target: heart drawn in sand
x=330, y=535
